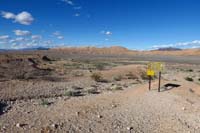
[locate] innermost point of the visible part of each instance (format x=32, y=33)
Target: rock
x=77, y=113
x=100, y=116
x=183, y=108
x=18, y=125
x=114, y=106
x=54, y=126
x=4, y=127
x=129, y=128
x=59, y=98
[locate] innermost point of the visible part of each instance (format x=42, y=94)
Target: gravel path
x=131, y=110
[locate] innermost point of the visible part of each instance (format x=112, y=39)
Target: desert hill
x=114, y=50
x=118, y=50
x=184, y=52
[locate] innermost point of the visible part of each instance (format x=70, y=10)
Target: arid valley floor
x=53, y=91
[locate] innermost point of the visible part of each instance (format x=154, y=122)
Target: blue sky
x=135, y=24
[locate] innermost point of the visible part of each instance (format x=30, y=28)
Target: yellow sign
x=154, y=67
x=150, y=73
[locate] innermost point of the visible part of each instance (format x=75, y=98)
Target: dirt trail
x=131, y=110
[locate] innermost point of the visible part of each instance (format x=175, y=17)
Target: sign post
x=154, y=68
x=149, y=83
x=159, y=81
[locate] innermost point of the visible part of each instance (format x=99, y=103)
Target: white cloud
x=2, y=42
x=24, y=17
x=48, y=42
x=106, y=32
x=57, y=33
x=77, y=15
x=4, y=37
x=8, y=15
x=69, y=2
x=36, y=37
x=60, y=37
x=77, y=8
x=12, y=41
x=20, y=39
x=195, y=43
x=22, y=32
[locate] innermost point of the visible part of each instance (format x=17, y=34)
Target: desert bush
x=78, y=74
x=45, y=102
x=97, y=77
x=99, y=66
x=73, y=65
x=144, y=76
x=92, y=91
x=189, y=79
x=130, y=75
x=190, y=70
x=77, y=87
x=117, y=78
x=71, y=93
x=192, y=91
x=116, y=87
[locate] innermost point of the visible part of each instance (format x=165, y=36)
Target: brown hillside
x=114, y=50
x=117, y=50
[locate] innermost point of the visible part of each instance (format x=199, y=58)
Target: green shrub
x=190, y=70
x=45, y=102
x=189, y=79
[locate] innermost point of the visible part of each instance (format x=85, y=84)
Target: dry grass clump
x=130, y=75
x=189, y=79
x=92, y=91
x=73, y=93
x=45, y=102
x=117, y=78
x=144, y=76
x=97, y=77
x=116, y=87
x=99, y=65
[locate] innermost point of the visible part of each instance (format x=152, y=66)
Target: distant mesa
x=37, y=48
x=169, y=49
x=115, y=50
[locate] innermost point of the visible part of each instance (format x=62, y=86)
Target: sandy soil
x=135, y=109
x=41, y=105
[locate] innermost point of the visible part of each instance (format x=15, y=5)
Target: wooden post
x=159, y=81
x=149, y=83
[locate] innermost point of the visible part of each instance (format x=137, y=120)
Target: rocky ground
x=117, y=102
